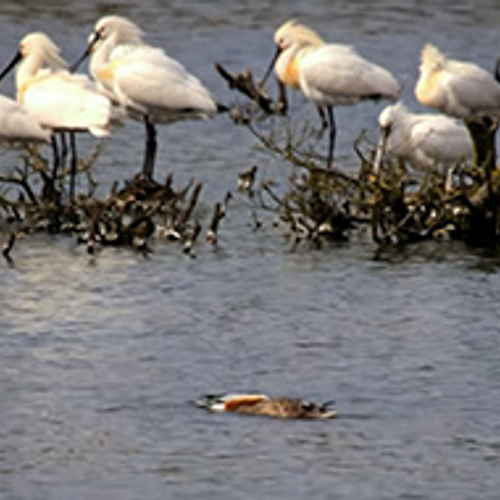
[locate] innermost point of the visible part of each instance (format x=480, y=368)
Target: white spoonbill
x=328, y=74
x=60, y=101
x=426, y=141
x=152, y=87
x=456, y=88
x=18, y=125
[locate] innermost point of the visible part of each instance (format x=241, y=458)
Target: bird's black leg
x=64, y=148
x=56, y=157
x=324, y=122
x=282, y=104
x=73, y=166
x=150, y=153
x=333, y=133
x=322, y=116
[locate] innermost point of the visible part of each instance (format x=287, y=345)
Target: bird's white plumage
x=328, y=74
x=172, y=94
x=62, y=101
x=58, y=99
x=334, y=74
x=426, y=141
x=17, y=124
x=456, y=88
x=143, y=79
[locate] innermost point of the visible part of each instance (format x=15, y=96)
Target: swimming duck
x=261, y=404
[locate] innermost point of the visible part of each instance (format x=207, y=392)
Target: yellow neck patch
x=290, y=75
x=106, y=73
x=26, y=84
x=425, y=90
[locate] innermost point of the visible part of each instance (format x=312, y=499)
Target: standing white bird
x=60, y=101
x=328, y=74
x=456, y=88
x=151, y=87
x=426, y=141
x=18, y=125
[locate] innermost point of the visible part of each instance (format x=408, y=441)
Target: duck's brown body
x=260, y=404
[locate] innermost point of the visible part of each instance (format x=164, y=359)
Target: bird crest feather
x=299, y=32
x=432, y=57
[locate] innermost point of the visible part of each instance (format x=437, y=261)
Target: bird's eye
x=100, y=34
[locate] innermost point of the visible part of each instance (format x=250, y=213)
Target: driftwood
x=244, y=83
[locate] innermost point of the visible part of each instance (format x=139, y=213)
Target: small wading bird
x=149, y=85
x=18, y=125
x=456, y=88
x=327, y=74
x=59, y=100
x=426, y=141
x=260, y=404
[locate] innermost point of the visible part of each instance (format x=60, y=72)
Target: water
x=101, y=357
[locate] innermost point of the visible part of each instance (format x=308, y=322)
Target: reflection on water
x=101, y=357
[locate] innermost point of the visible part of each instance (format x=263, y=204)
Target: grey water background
x=101, y=357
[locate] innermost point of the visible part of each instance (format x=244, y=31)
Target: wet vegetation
x=33, y=199
x=392, y=204
x=390, y=201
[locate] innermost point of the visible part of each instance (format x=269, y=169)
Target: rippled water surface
x=101, y=357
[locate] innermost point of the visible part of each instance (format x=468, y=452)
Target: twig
x=244, y=83
x=195, y=232
x=8, y=245
x=218, y=215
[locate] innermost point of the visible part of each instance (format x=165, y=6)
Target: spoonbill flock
x=61, y=101
x=135, y=80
